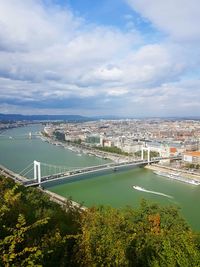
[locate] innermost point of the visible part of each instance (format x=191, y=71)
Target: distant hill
x=19, y=117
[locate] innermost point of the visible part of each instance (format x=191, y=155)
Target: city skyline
x=116, y=57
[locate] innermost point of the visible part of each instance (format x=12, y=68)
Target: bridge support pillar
x=148, y=153
x=37, y=171
x=148, y=158
x=142, y=154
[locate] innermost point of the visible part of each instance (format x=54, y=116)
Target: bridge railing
x=97, y=168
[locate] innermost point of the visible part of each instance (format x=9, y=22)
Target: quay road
x=87, y=150
x=94, y=169
x=16, y=177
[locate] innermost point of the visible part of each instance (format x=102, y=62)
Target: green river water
x=114, y=188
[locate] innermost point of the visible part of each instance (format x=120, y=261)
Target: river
x=114, y=189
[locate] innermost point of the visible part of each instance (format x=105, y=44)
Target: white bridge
x=68, y=173
x=44, y=173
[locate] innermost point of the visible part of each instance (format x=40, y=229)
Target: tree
x=105, y=236
x=152, y=154
x=13, y=236
x=162, y=238
x=113, y=149
x=147, y=236
x=35, y=231
x=12, y=247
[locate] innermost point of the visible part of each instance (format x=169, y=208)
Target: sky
x=129, y=58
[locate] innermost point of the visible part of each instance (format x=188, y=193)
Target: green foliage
x=147, y=236
x=59, y=135
x=162, y=238
x=78, y=141
x=192, y=166
x=152, y=154
x=112, y=149
x=106, y=234
x=34, y=231
x=12, y=249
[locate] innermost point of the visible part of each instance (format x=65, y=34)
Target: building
x=192, y=157
x=173, y=151
x=191, y=145
x=107, y=143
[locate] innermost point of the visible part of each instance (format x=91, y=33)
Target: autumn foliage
x=34, y=231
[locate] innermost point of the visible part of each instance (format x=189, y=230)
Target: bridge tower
x=30, y=135
x=148, y=153
x=37, y=171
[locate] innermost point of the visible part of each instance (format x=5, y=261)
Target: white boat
x=138, y=188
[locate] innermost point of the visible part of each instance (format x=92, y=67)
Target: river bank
x=114, y=189
x=83, y=149
x=172, y=172
x=61, y=200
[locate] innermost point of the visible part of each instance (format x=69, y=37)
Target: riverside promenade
x=62, y=201
x=85, y=149
x=167, y=169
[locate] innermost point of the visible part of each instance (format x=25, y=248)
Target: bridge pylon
x=37, y=171
x=148, y=153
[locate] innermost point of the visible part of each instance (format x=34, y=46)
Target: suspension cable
x=26, y=168
x=28, y=171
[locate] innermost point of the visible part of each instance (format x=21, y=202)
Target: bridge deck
x=16, y=177
x=78, y=172
x=93, y=169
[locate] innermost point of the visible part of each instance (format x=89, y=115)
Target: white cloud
x=179, y=18
x=47, y=54
x=41, y=44
x=27, y=25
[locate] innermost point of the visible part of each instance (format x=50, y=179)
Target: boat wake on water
x=151, y=192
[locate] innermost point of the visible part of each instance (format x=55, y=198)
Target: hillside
x=37, y=232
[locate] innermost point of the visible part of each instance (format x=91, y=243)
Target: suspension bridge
x=29, y=135
x=40, y=173
x=11, y=174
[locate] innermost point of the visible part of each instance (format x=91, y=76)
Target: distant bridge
x=24, y=136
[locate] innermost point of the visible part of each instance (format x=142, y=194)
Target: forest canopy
x=35, y=231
